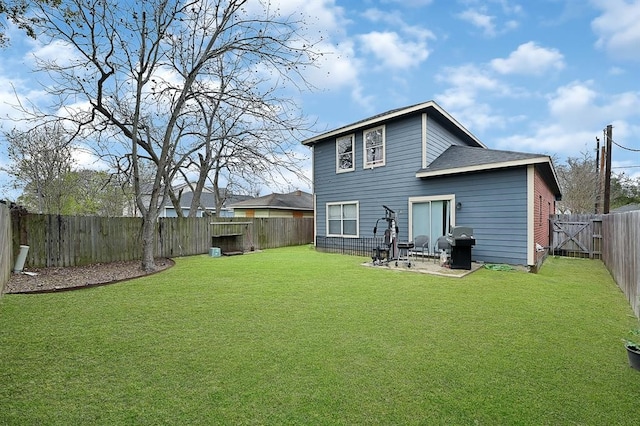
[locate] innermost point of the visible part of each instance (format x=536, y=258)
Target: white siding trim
x=424, y=140
x=481, y=167
x=530, y=213
x=315, y=215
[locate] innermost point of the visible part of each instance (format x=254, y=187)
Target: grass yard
x=292, y=336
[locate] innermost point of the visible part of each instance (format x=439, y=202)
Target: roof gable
x=431, y=108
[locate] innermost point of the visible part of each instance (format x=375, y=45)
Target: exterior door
x=431, y=216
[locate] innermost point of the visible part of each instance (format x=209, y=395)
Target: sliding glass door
x=430, y=216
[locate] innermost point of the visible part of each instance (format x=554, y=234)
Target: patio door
x=431, y=216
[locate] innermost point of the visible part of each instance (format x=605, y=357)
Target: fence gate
x=577, y=235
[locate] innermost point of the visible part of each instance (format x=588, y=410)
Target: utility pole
x=607, y=176
x=597, y=206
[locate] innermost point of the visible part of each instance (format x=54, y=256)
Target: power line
x=624, y=147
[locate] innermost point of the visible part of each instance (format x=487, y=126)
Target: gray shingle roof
x=207, y=199
x=456, y=157
x=433, y=110
x=626, y=208
x=465, y=159
x=297, y=200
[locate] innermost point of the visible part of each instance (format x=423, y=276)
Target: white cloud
x=57, y=51
x=551, y=138
x=470, y=78
x=410, y=3
x=573, y=104
x=464, y=99
x=491, y=23
x=337, y=67
x=618, y=28
x=480, y=20
x=403, y=47
x=473, y=115
x=577, y=114
x=84, y=159
x=392, y=51
x=616, y=71
x=529, y=58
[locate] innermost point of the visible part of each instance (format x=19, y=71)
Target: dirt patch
x=69, y=278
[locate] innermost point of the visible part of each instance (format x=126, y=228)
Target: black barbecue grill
x=461, y=240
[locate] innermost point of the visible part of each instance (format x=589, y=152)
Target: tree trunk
x=148, y=243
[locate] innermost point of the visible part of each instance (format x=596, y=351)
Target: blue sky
x=544, y=76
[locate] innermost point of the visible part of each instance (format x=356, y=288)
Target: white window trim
x=353, y=153
x=384, y=148
x=342, y=203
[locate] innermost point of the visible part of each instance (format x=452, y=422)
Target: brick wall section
x=544, y=206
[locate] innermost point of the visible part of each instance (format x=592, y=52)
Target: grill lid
x=460, y=232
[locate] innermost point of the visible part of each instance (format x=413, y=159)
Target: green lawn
x=292, y=336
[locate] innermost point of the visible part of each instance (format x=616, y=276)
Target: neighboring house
x=626, y=208
x=421, y=163
x=293, y=204
x=207, y=199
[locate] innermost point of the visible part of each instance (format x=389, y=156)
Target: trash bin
x=22, y=257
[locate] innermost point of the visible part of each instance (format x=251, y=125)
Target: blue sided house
x=420, y=163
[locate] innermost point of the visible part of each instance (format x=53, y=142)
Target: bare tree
x=579, y=183
x=41, y=161
x=141, y=66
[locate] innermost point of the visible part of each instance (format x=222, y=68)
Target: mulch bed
x=47, y=280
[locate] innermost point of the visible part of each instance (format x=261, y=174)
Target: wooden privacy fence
x=577, y=235
x=621, y=253
x=5, y=246
x=81, y=240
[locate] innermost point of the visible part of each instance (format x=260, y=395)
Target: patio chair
x=420, y=246
x=442, y=244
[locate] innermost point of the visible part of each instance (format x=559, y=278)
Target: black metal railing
x=350, y=246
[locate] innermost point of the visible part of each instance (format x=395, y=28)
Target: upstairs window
x=345, y=161
x=373, y=140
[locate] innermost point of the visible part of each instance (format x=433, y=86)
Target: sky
x=544, y=76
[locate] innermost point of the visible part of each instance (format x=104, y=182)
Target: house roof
x=297, y=200
x=626, y=208
x=464, y=159
x=430, y=107
x=207, y=199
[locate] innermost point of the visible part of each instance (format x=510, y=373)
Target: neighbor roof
x=430, y=107
x=626, y=208
x=207, y=198
x=464, y=159
x=297, y=200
